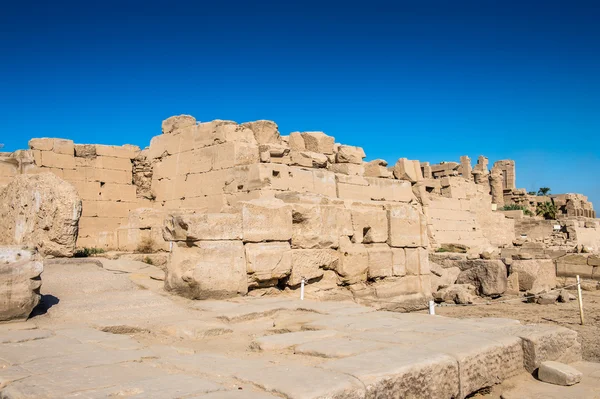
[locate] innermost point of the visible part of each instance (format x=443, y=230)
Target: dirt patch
x=562, y=314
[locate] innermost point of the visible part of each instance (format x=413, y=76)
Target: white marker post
x=302, y=289
x=580, y=299
x=432, y=307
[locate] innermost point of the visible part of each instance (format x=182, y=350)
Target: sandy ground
x=563, y=314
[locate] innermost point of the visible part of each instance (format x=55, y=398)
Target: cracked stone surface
x=108, y=329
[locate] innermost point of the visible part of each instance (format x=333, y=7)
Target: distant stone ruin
x=242, y=209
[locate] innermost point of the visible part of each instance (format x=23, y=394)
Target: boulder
x=207, y=270
x=174, y=123
x=548, y=298
x=457, y=293
x=441, y=277
x=408, y=170
x=488, y=276
x=20, y=284
x=265, y=132
x=536, y=275
x=40, y=211
x=350, y=154
x=559, y=373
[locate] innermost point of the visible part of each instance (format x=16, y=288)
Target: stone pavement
x=110, y=330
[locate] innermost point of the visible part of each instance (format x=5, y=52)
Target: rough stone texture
x=535, y=275
x=370, y=225
x=206, y=226
x=207, y=269
x=20, y=284
x=315, y=226
x=267, y=263
x=266, y=220
x=457, y=293
x=559, y=373
x=310, y=264
x=489, y=276
x=264, y=131
x=318, y=142
x=350, y=154
x=42, y=211
x=408, y=170
x=174, y=123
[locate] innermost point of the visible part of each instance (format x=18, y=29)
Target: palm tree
x=543, y=191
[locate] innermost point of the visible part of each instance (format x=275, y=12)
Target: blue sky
x=428, y=80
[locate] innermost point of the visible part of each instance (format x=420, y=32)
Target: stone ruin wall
x=381, y=221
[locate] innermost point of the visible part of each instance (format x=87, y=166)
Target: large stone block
x=264, y=131
x=125, y=151
x=377, y=168
x=408, y=170
x=42, y=144
x=51, y=159
x=310, y=264
x=20, y=284
x=315, y=226
x=208, y=269
x=559, y=373
x=318, y=142
x=203, y=226
x=267, y=263
x=370, y=225
x=118, y=192
x=354, y=260
x=417, y=261
x=228, y=155
x=535, y=275
x=390, y=190
x=296, y=142
x=398, y=262
x=488, y=276
x=350, y=154
x=407, y=226
x=42, y=211
x=381, y=263
x=266, y=220
x=174, y=123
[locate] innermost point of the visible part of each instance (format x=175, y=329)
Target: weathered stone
x=353, y=265
x=370, y=225
x=264, y=131
x=315, y=226
x=20, y=284
x=310, y=264
x=204, y=226
x=208, y=269
x=85, y=150
x=350, y=154
x=489, y=276
x=267, y=219
x=174, y=123
x=406, y=226
x=380, y=258
x=377, y=168
x=548, y=298
x=535, y=275
x=289, y=340
x=457, y=293
x=41, y=211
x=296, y=142
x=318, y=142
x=512, y=284
x=267, y=263
x=407, y=170
x=558, y=373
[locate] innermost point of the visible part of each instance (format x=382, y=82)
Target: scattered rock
x=457, y=248
x=535, y=275
x=457, y=293
x=558, y=373
x=565, y=296
x=172, y=124
x=548, y=298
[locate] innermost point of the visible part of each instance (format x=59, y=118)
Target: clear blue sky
x=427, y=80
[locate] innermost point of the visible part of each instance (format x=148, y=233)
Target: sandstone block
x=20, y=284
x=42, y=211
x=42, y=144
x=209, y=269
x=308, y=159
x=264, y=131
x=457, y=293
x=311, y=263
x=398, y=262
x=85, y=150
x=318, y=142
x=267, y=263
x=417, y=261
x=350, y=154
x=266, y=220
x=126, y=151
x=406, y=226
x=203, y=226
x=370, y=225
x=51, y=159
x=390, y=190
x=296, y=142
x=174, y=123
x=63, y=146
x=315, y=226
x=228, y=155
x=377, y=168
x=408, y=170
x=353, y=265
x=489, y=276
x=347, y=169
x=559, y=373
x=117, y=192
x=573, y=269
x=535, y=275
x=112, y=163
x=380, y=261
